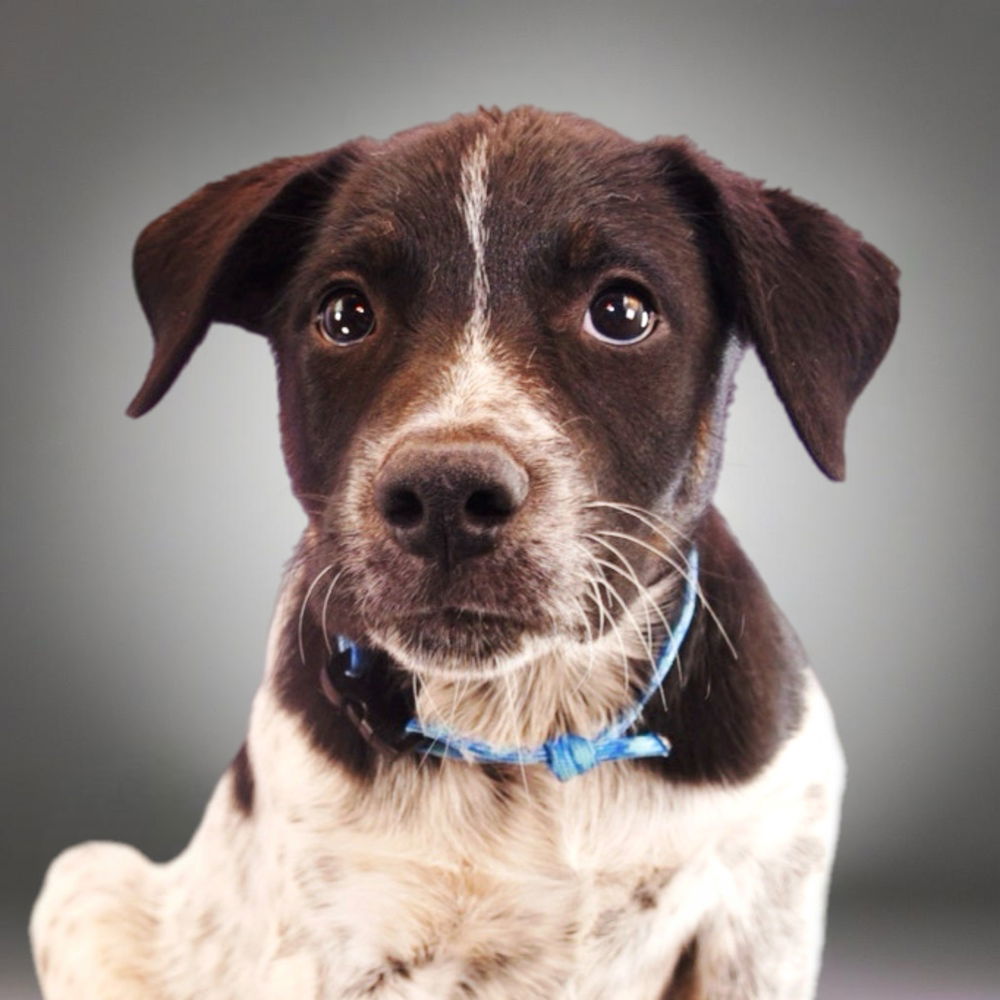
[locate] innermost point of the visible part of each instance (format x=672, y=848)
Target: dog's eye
x=620, y=316
x=345, y=316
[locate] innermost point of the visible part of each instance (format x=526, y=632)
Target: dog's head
x=505, y=347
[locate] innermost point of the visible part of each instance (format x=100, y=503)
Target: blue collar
x=569, y=754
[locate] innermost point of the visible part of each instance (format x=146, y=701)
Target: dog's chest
x=456, y=885
x=528, y=905
x=431, y=882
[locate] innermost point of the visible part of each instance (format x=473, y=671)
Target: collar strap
x=570, y=754
x=565, y=756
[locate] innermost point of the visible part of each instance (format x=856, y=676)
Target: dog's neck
x=724, y=708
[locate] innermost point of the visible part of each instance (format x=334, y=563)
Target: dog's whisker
x=653, y=521
x=679, y=567
x=586, y=671
x=424, y=692
x=626, y=571
x=326, y=605
x=421, y=763
x=680, y=564
x=592, y=592
x=512, y=707
x=702, y=598
x=669, y=630
x=591, y=657
x=615, y=627
x=641, y=632
x=592, y=583
x=642, y=635
x=302, y=611
x=666, y=532
x=661, y=530
x=644, y=593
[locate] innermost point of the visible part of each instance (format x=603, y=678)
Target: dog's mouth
x=452, y=640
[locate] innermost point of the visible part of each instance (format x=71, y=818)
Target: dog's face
x=462, y=381
x=505, y=346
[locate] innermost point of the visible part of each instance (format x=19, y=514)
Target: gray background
x=141, y=559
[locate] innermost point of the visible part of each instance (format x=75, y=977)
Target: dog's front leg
x=93, y=926
x=768, y=945
x=761, y=937
x=764, y=940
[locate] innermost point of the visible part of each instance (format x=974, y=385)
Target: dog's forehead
x=521, y=177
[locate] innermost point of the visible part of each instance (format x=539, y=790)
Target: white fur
x=473, y=201
x=330, y=881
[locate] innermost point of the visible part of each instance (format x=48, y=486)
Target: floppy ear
x=818, y=303
x=224, y=254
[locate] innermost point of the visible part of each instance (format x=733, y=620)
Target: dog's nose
x=449, y=501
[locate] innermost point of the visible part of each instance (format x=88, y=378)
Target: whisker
x=302, y=611
x=594, y=583
x=326, y=605
x=687, y=576
x=616, y=630
x=642, y=591
x=416, y=714
x=658, y=525
x=513, y=719
x=588, y=670
x=591, y=659
x=425, y=692
x=642, y=634
x=646, y=597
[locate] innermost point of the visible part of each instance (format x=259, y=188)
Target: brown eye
x=345, y=316
x=620, y=316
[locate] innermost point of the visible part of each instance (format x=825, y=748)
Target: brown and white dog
x=505, y=348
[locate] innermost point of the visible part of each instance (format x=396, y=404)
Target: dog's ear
x=818, y=303
x=224, y=254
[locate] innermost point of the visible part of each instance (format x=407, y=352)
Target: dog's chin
x=459, y=644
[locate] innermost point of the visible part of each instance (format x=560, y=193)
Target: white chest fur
x=429, y=883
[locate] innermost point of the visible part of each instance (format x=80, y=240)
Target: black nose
x=449, y=501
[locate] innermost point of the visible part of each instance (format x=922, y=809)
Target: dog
x=531, y=725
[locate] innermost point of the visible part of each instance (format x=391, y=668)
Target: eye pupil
x=620, y=316
x=346, y=316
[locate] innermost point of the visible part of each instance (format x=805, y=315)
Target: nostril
x=403, y=508
x=489, y=505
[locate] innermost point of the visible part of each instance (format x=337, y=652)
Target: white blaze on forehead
x=475, y=382
x=478, y=385
x=473, y=205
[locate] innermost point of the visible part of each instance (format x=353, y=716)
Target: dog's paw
x=93, y=924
